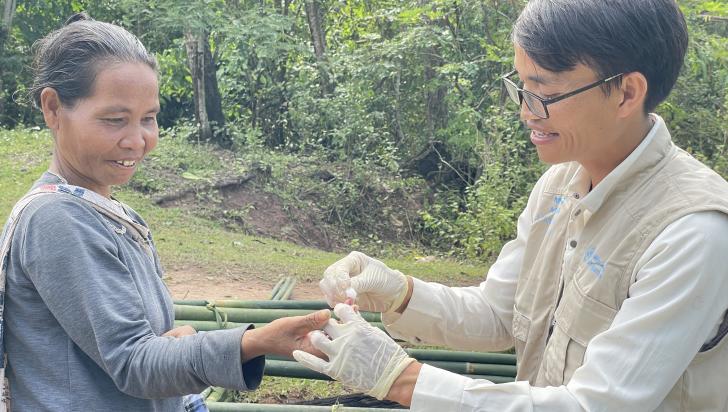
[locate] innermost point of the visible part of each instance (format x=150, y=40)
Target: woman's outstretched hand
x=283, y=336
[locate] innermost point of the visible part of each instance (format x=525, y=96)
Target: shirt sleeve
x=72, y=259
x=468, y=318
x=681, y=277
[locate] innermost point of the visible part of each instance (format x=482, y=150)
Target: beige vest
x=663, y=185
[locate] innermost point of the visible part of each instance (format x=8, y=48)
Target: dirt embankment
x=248, y=203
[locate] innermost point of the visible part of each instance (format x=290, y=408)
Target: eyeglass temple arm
x=579, y=90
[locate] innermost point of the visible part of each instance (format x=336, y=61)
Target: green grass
x=185, y=240
x=277, y=390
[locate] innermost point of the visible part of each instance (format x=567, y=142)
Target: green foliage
x=696, y=111
x=413, y=91
x=476, y=223
x=175, y=86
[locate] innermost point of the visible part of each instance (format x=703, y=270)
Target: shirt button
x=576, y=195
x=573, y=244
x=578, y=212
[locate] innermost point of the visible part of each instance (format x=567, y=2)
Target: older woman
x=85, y=306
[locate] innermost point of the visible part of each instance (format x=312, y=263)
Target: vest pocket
x=563, y=355
x=521, y=326
x=554, y=357
x=578, y=319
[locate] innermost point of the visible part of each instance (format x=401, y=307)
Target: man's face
x=580, y=128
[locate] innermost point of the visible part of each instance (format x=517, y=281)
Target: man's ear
x=633, y=92
x=50, y=105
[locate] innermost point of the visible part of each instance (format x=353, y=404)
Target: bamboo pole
x=190, y=302
x=458, y=356
x=494, y=373
x=494, y=379
x=277, y=287
x=286, y=294
x=217, y=394
x=291, y=369
x=470, y=368
x=235, y=314
x=478, y=365
x=206, y=392
x=244, y=315
x=208, y=325
x=273, y=304
x=260, y=407
x=283, y=289
x=258, y=304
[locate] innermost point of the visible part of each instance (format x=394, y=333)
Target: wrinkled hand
x=378, y=288
x=361, y=356
x=180, y=331
x=283, y=336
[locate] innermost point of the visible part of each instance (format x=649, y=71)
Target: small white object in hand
x=351, y=294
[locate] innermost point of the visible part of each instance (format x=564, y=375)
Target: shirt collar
x=593, y=200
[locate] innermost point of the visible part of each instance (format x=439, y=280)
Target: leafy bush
x=476, y=222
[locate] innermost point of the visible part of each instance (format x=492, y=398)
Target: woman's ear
x=50, y=105
x=634, y=93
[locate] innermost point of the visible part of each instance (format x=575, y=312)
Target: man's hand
x=360, y=356
x=378, y=288
x=180, y=331
x=283, y=336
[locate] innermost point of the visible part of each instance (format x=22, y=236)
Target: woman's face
x=101, y=139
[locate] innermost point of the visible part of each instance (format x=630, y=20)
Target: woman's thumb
x=316, y=320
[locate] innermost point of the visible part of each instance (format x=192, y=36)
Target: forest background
x=369, y=124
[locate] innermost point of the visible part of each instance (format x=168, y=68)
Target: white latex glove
x=361, y=356
x=378, y=288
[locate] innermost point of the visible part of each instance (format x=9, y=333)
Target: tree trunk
x=208, y=103
x=318, y=38
x=435, y=97
x=5, y=25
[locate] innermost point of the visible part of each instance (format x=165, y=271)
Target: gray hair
x=68, y=59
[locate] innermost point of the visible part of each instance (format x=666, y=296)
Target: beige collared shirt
x=675, y=304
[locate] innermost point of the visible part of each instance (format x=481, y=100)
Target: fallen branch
x=219, y=185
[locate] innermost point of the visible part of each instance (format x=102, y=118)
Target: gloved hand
x=378, y=288
x=361, y=356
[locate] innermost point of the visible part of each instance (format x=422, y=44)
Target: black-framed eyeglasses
x=537, y=104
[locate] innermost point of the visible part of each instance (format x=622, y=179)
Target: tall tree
x=7, y=21
x=436, y=87
x=5, y=24
x=314, y=17
x=208, y=102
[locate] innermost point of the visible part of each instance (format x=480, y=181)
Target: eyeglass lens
x=534, y=105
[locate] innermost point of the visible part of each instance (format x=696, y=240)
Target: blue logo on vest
x=553, y=210
x=594, y=262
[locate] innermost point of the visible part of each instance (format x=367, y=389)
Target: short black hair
x=69, y=58
x=609, y=36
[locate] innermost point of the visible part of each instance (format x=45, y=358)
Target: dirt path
x=194, y=283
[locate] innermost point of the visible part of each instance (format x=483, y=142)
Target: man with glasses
x=615, y=290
